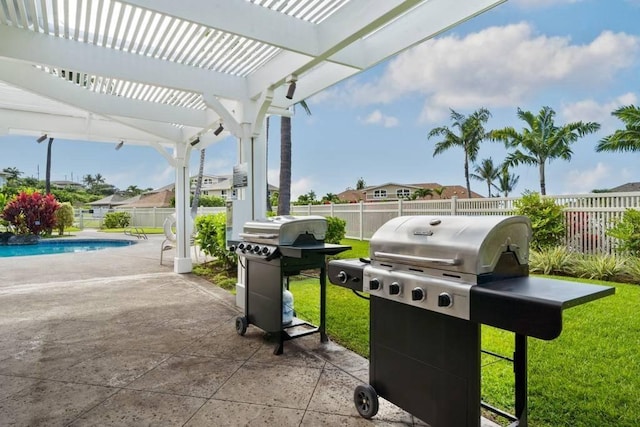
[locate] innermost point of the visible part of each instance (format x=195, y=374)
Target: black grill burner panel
x=271, y=251
x=433, y=281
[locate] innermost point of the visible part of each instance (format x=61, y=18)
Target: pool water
x=49, y=247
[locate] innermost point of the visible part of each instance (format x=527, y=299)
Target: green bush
x=556, y=260
x=336, y=229
x=64, y=217
x=547, y=220
x=212, y=238
x=116, y=220
x=627, y=231
x=599, y=267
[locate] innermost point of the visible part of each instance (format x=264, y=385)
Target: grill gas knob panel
x=395, y=288
x=418, y=294
x=374, y=284
x=445, y=300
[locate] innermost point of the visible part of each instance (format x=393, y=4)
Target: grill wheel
x=241, y=325
x=366, y=400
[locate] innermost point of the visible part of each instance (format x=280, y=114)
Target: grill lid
x=284, y=230
x=461, y=244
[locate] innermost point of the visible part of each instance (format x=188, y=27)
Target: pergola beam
x=72, y=55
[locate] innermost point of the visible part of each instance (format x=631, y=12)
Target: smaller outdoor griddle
x=272, y=250
x=432, y=281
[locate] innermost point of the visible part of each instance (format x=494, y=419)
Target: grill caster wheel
x=241, y=325
x=366, y=401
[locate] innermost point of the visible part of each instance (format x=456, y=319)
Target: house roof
x=449, y=192
x=112, y=200
x=626, y=188
x=158, y=199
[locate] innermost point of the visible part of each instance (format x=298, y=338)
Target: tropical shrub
x=212, y=238
x=547, y=220
x=556, y=260
x=116, y=220
x=31, y=212
x=64, y=217
x=599, y=267
x=627, y=231
x=336, y=229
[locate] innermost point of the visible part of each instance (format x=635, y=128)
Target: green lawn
x=589, y=376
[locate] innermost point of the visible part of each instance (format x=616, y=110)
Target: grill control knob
x=257, y=249
x=445, y=300
x=374, y=284
x=394, y=288
x=343, y=277
x=265, y=251
x=248, y=247
x=417, y=294
x=241, y=247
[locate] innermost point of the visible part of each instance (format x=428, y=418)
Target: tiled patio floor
x=156, y=348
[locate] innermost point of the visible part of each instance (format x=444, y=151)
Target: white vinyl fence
x=140, y=217
x=587, y=216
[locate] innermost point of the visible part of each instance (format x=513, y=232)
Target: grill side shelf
x=530, y=306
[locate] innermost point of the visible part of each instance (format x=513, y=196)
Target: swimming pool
x=49, y=247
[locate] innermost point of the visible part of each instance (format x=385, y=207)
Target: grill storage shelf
x=272, y=250
x=433, y=281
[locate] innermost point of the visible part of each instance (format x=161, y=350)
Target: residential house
x=68, y=185
x=392, y=191
x=3, y=178
x=626, y=188
x=221, y=186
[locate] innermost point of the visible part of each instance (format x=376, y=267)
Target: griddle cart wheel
x=366, y=401
x=241, y=325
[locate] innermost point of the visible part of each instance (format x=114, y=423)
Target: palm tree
x=542, y=141
x=88, y=180
x=439, y=191
x=470, y=133
x=330, y=198
x=47, y=181
x=421, y=193
x=486, y=171
x=13, y=173
x=196, y=193
x=284, y=197
x=627, y=139
x=506, y=182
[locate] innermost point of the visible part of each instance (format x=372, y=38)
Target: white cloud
x=600, y=176
x=496, y=67
x=592, y=111
x=301, y=186
x=377, y=118
x=273, y=177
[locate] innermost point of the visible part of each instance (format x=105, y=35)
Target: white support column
x=252, y=150
x=182, y=261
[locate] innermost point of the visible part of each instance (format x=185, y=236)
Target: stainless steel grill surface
x=432, y=282
x=432, y=262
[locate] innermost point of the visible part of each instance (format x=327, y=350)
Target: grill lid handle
x=418, y=259
x=259, y=236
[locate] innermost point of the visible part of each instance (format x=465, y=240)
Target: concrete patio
x=113, y=338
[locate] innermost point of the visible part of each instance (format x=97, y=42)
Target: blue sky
x=580, y=57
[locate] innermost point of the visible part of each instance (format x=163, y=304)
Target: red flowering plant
x=31, y=212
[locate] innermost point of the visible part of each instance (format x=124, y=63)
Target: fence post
x=454, y=205
x=81, y=222
x=331, y=209
x=400, y=207
x=361, y=212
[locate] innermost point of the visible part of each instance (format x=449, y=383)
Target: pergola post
x=184, y=224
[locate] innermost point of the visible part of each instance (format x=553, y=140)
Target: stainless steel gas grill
x=272, y=250
x=432, y=282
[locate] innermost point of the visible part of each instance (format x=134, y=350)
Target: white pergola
x=167, y=73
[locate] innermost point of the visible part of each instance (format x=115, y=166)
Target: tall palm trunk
x=198, y=189
x=543, y=186
x=466, y=174
x=284, y=197
x=47, y=182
